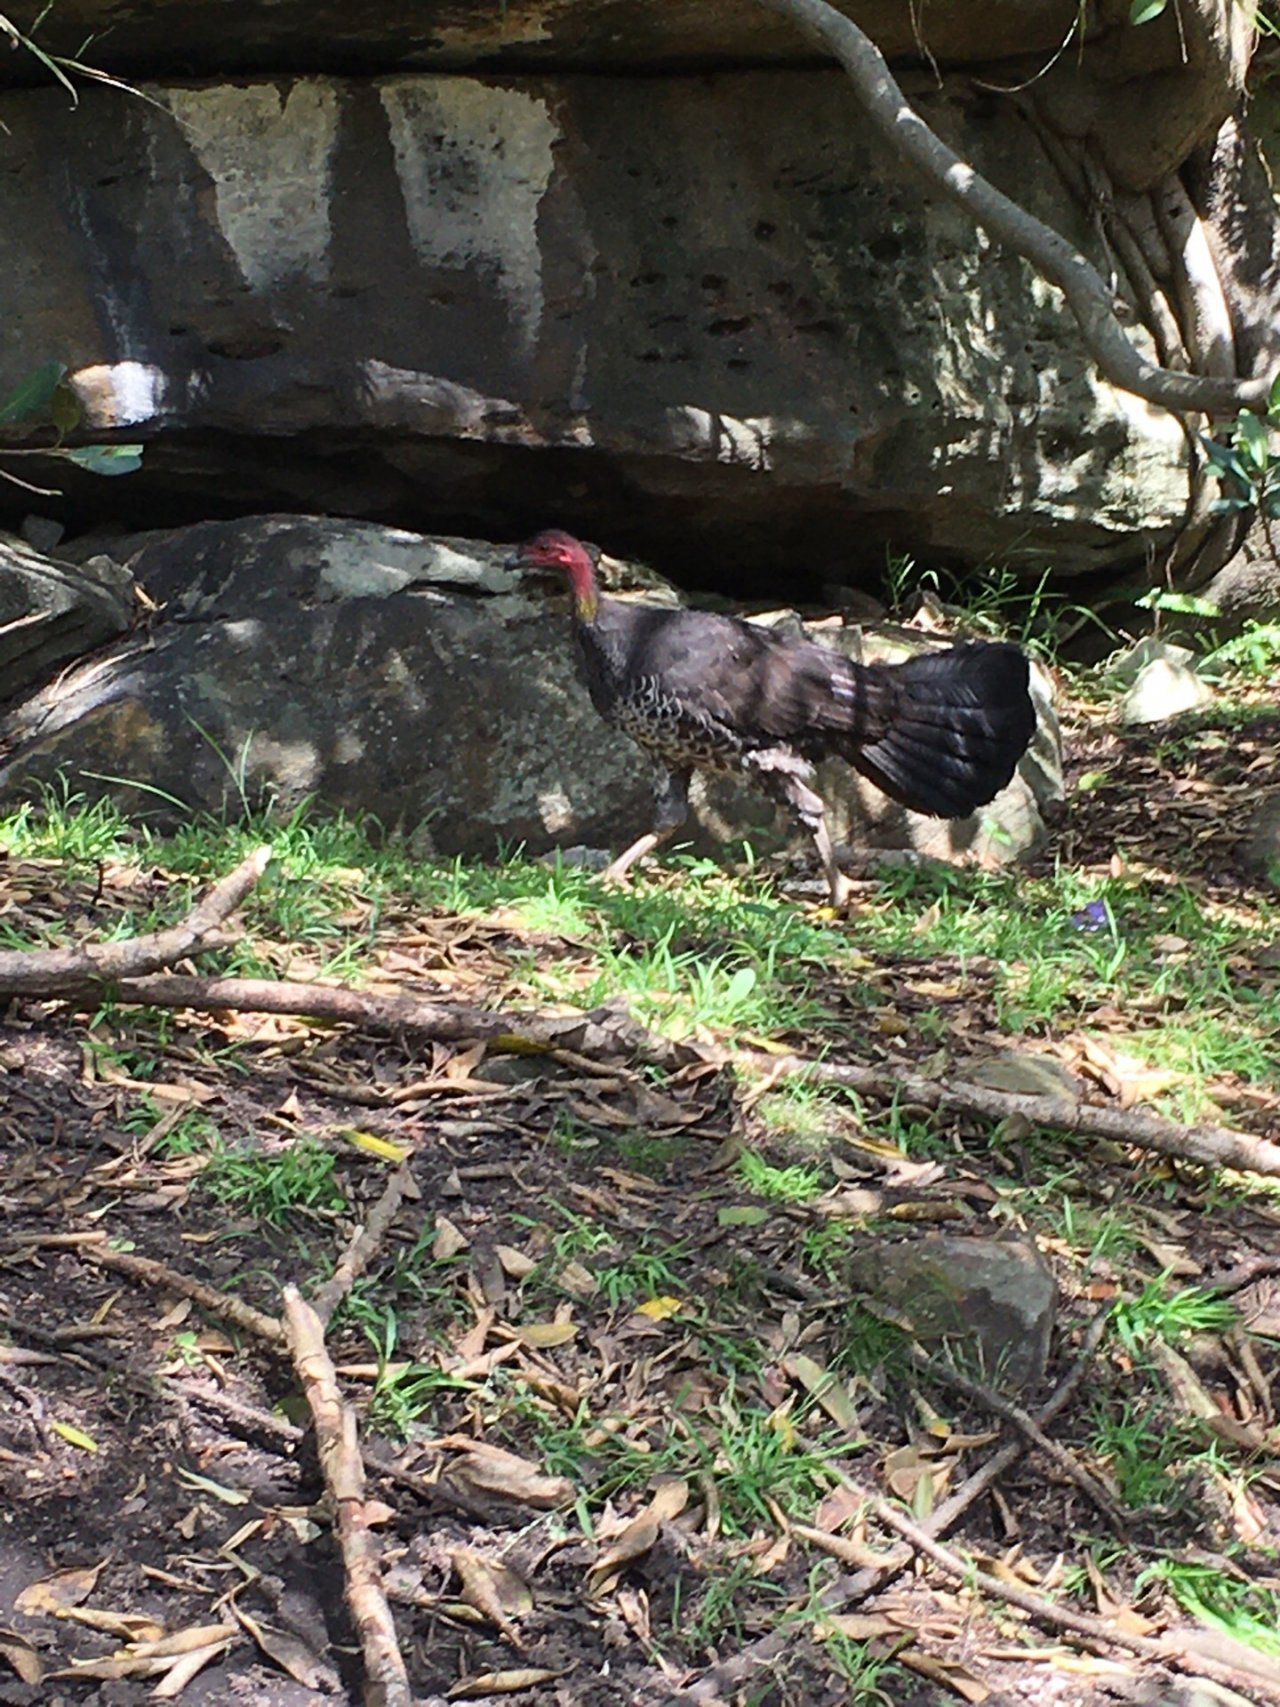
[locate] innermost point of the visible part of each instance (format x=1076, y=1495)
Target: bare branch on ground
x=851, y=1588
x=386, y=1679
x=69, y=971
x=365, y=1243
x=1022, y=1420
x=1097, y=1632
x=223, y=1304
x=1220, y=1146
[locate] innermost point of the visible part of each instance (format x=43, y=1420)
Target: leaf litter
x=621, y=1381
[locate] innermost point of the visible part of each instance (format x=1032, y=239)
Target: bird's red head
x=555, y=549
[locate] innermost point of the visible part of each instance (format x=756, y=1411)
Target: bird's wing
x=756, y=682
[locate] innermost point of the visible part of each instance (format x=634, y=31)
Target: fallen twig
x=223, y=1304
x=89, y=966
x=386, y=1679
x=1021, y=1419
x=851, y=1588
x=364, y=1245
x=606, y=1032
x=1222, y=1146
x=1097, y=1632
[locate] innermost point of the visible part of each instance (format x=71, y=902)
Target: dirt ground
x=155, y=1477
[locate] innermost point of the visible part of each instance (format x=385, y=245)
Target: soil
x=159, y=1452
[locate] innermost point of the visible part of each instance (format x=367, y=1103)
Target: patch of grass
x=825, y=1247
x=1157, y=1313
x=648, y=1155
x=1247, y=1611
x=1145, y=1453
x=804, y=1115
x=66, y=825
x=867, y=1345
x=190, y=1133
x=274, y=1185
x=795, y=1184
x=403, y=1393
x=871, y=1680
x=643, y=1275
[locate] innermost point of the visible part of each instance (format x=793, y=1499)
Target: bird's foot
x=618, y=869
x=839, y=892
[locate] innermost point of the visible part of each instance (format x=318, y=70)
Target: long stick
x=386, y=1678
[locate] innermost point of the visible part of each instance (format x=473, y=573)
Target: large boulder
x=414, y=680
x=758, y=351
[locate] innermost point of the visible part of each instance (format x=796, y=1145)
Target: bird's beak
x=515, y=559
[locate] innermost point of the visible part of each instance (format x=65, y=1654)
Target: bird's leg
x=837, y=882
x=785, y=777
x=672, y=810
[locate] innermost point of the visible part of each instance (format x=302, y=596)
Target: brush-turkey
x=941, y=733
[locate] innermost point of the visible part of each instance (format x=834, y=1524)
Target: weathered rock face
x=51, y=612
x=624, y=304
x=416, y=680
x=461, y=34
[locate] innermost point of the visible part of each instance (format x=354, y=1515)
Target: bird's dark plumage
x=941, y=733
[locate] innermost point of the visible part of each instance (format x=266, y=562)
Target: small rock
x=1128, y=666
x=1262, y=850
x=42, y=533
x=1164, y=688
x=996, y=1294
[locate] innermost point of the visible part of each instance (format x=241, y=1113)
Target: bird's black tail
x=945, y=730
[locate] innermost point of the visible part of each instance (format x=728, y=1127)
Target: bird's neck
x=583, y=588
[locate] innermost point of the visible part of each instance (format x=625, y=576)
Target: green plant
x=402, y=1393
x=1156, y=1313
x=1247, y=1611
x=1247, y=468
x=272, y=1185
x=43, y=399
x=789, y=1185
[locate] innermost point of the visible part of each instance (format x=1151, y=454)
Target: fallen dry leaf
x=493, y=1589
x=501, y=1682
x=53, y=1594
x=639, y=1535
x=20, y=1656
x=491, y=1470
x=292, y=1655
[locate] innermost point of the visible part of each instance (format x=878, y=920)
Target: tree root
x=1088, y=297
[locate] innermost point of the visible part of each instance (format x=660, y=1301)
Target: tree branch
x=1220, y=1146
x=64, y=971
x=386, y=1678
x=1010, y=225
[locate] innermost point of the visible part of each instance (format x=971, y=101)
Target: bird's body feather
x=940, y=733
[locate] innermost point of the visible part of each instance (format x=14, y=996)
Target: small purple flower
x=1094, y=917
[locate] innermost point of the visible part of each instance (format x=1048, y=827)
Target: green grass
x=700, y=952
x=1157, y=1313
x=1247, y=1611
x=275, y=1185
x=795, y=1184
